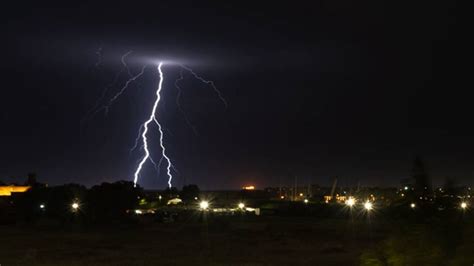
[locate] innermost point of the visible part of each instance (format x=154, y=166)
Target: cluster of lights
x=204, y=205
x=74, y=206
x=351, y=201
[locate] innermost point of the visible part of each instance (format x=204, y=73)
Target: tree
x=31, y=179
x=61, y=198
x=111, y=201
x=421, y=178
x=190, y=192
x=449, y=187
x=54, y=202
x=170, y=193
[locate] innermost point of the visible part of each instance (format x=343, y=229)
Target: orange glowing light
x=8, y=190
x=248, y=188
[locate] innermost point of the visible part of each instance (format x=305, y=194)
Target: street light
x=350, y=202
x=42, y=206
x=75, y=206
x=463, y=205
x=204, y=205
x=412, y=205
x=241, y=205
x=305, y=200
x=368, y=206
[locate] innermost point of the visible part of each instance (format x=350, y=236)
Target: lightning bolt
x=178, y=103
x=151, y=119
x=143, y=132
x=121, y=91
x=208, y=82
x=95, y=109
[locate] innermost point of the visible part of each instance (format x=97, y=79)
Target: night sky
x=332, y=88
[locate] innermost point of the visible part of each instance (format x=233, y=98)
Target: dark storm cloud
x=317, y=90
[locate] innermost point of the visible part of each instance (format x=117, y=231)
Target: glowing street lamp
x=413, y=205
x=42, y=206
x=463, y=205
x=241, y=205
x=350, y=202
x=204, y=205
x=368, y=206
x=75, y=206
x=305, y=200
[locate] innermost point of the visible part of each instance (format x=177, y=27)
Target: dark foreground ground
x=446, y=239
x=219, y=241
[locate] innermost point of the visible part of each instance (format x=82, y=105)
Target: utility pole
x=296, y=187
x=308, y=193
x=280, y=187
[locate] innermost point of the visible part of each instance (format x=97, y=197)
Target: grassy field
x=213, y=241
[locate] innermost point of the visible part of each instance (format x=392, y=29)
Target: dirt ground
x=213, y=241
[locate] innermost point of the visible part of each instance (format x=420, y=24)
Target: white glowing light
x=204, y=205
x=241, y=205
x=138, y=211
x=413, y=205
x=42, y=206
x=406, y=188
x=463, y=205
x=75, y=206
x=350, y=202
x=368, y=205
x=152, y=118
x=305, y=200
